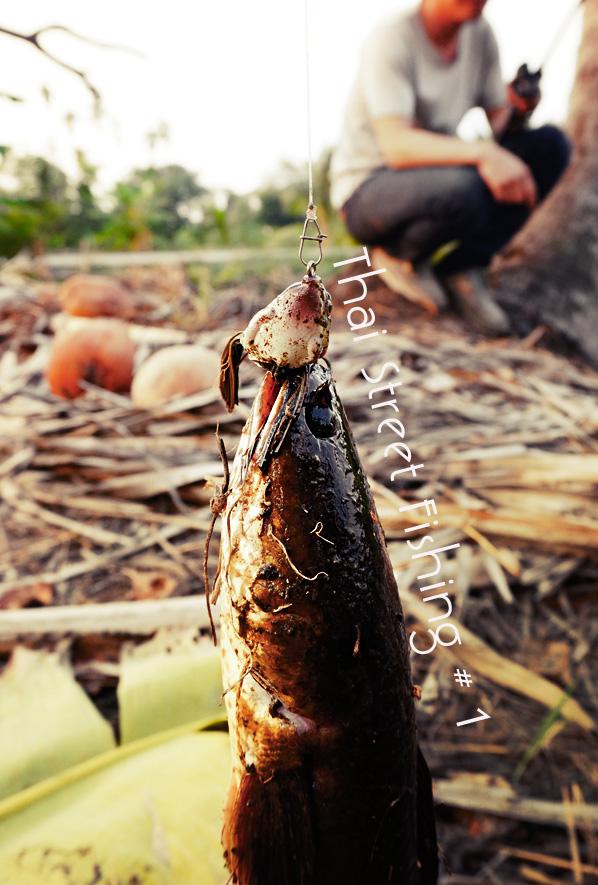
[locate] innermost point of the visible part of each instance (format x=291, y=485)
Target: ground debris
x=103, y=503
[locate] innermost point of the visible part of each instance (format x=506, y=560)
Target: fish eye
x=319, y=415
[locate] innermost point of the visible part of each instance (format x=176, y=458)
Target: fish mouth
x=282, y=397
x=277, y=404
x=290, y=396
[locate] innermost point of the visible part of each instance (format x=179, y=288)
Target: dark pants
x=412, y=212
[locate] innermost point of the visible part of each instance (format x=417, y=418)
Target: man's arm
x=404, y=146
x=499, y=119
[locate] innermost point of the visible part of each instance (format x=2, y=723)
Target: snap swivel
x=310, y=218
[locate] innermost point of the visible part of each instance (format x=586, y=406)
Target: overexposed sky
x=228, y=78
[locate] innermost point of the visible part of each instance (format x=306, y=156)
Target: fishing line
x=310, y=213
x=526, y=83
x=308, y=101
x=559, y=34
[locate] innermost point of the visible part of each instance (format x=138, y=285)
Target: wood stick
x=11, y=493
x=573, y=844
x=590, y=837
x=149, y=483
x=20, y=458
x=537, y=857
x=74, y=569
x=534, y=875
x=502, y=802
x=84, y=260
x=135, y=618
x=122, y=509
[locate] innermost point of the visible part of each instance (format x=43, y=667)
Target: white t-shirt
x=402, y=74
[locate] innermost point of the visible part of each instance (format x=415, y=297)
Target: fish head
x=292, y=331
x=283, y=398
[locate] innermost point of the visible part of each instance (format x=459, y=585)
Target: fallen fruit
x=179, y=370
x=86, y=295
x=100, y=351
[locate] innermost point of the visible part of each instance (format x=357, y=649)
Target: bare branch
x=10, y=97
x=33, y=40
x=116, y=46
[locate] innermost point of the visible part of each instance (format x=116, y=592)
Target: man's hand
x=523, y=95
x=523, y=104
x=403, y=147
x=508, y=178
x=523, y=92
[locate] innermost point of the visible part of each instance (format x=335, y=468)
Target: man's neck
x=442, y=32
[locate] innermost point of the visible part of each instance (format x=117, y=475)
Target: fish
x=328, y=784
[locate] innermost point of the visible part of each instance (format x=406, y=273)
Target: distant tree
x=243, y=219
x=42, y=208
x=170, y=189
x=129, y=224
x=85, y=217
x=272, y=211
x=33, y=214
x=40, y=180
x=290, y=186
x=160, y=133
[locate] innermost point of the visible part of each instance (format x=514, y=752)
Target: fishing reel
x=526, y=85
x=524, y=95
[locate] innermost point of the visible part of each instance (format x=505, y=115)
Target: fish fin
x=427, y=844
x=232, y=357
x=268, y=832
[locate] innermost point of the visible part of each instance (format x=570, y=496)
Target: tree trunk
x=549, y=272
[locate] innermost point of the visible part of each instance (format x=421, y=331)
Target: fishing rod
x=310, y=212
x=526, y=83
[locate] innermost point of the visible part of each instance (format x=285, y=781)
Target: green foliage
x=170, y=193
x=42, y=210
x=129, y=225
x=548, y=728
x=40, y=181
x=154, y=208
x=26, y=223
x=244, y=225
x=272, y=211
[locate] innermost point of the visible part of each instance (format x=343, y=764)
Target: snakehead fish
x=328, y=785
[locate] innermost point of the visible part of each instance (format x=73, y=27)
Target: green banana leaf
x=145, y=813
x=47, y=722
x=150, y=814
x=167, y=682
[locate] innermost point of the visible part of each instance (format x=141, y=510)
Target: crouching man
x=404, y=181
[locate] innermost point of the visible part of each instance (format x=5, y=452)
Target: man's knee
x=463, y=194
x=554, y=144
x=394, y=199
x=546, y=151
x=461, y=203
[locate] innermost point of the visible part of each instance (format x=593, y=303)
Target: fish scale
x=327, y=784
